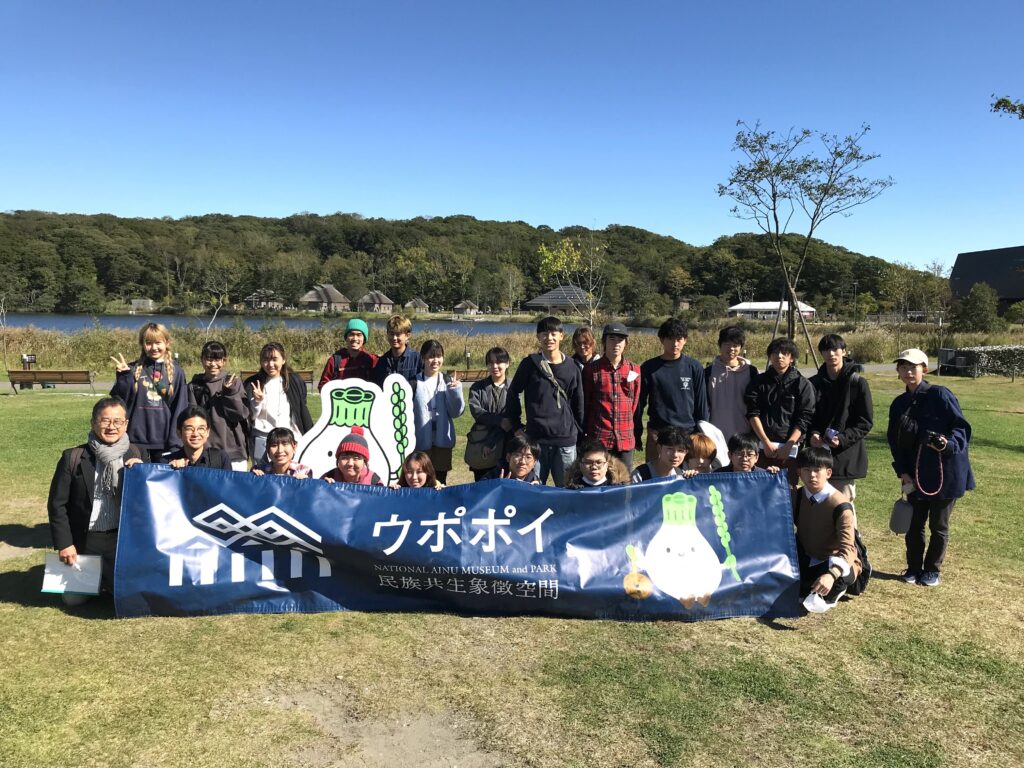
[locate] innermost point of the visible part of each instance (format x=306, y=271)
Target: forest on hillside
x=94, y=263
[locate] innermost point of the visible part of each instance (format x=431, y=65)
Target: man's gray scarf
x=109, y=463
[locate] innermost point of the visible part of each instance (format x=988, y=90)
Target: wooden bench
x=51, y=377
x=306, y=376
x=471, y=375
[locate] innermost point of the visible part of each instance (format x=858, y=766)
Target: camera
x=936, y=441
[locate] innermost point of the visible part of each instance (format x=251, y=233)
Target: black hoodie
x=844, y=405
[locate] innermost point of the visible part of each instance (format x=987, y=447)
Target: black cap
x=615, y=329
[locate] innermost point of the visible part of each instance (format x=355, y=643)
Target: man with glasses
x=520, y=461
x=84, y=505
x=194, y=431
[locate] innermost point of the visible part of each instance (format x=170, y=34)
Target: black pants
x=104, y=544
x=936, y=513
x=810, y=573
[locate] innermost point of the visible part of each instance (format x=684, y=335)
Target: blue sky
x=554, y=113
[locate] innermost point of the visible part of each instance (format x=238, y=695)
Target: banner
x=202, y=541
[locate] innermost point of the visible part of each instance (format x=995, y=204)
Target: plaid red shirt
x=341, y=365
x=610, y=397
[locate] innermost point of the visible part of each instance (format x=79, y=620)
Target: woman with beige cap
x=928, y=436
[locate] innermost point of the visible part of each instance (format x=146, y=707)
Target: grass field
x=901, y=676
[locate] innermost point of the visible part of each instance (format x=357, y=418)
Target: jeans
x=555, y=460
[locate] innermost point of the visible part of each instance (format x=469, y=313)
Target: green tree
x=1015, y=313
x=679, y=283
x=979, y=310
x=571, y=263
x=1007, y=106
x=813, y=172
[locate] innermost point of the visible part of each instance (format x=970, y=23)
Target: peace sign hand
x=120, y=364
x=454, y=382
x=230, y=382
x=257, y=392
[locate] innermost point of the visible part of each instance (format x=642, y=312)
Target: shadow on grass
x=773, y=623
x=25, y=536
x=22, y=588
x=986, y=442
x=884, y=575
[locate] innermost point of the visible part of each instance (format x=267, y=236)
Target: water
x=73, y=323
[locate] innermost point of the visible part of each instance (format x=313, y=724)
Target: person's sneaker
x=929, y=579
x=909, y=576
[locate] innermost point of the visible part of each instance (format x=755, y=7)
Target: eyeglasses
x=112, y=422
x=594, y=464
x=522, y=457
x=746, y=454
x=195, y=430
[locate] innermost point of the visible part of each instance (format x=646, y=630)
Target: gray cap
x=616, y=329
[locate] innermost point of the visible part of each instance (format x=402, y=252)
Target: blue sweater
x=674, y=393
x=435, y=417
x=152, y=418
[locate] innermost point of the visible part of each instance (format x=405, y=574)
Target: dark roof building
x=325, y=298
x=375, y=301
x=565, y=298
x=1001, y=268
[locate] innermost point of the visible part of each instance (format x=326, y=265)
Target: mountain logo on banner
x=198, y=560
x=271, y=526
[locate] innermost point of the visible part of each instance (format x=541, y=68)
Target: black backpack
x=861, y=584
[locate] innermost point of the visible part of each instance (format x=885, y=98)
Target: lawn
x=901, y=676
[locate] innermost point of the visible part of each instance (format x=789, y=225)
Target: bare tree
x=512, y=287
x=574, y=265
x=813, y=173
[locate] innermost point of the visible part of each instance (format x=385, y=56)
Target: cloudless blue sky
x=554, y=113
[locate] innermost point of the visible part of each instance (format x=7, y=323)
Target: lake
x=73, y=323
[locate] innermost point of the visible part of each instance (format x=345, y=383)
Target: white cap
x=913, y=356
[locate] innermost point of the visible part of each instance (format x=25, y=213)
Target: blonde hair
x=149, y=332
x=399, y=324
x=703, y=447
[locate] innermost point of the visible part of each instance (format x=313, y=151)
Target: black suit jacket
x=71, y=491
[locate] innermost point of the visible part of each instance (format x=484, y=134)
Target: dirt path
x=410, y=740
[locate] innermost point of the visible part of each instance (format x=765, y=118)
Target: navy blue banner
x=201, y=541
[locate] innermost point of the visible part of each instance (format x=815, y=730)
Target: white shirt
x=273, y=410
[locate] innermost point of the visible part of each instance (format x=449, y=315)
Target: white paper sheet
x=81, y=579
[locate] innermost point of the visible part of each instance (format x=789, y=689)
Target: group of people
x=578, y=419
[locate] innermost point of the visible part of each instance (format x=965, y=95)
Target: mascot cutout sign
x=385, y=417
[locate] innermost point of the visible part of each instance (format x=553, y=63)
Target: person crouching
x=825, y=529
x=85, y=494
x=352, y=456
x=596, y=467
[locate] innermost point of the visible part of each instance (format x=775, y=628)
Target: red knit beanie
x=354, y=442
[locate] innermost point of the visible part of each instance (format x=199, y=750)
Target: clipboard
x=66, y=579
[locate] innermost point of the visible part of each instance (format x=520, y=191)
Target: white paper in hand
x=82, y=578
